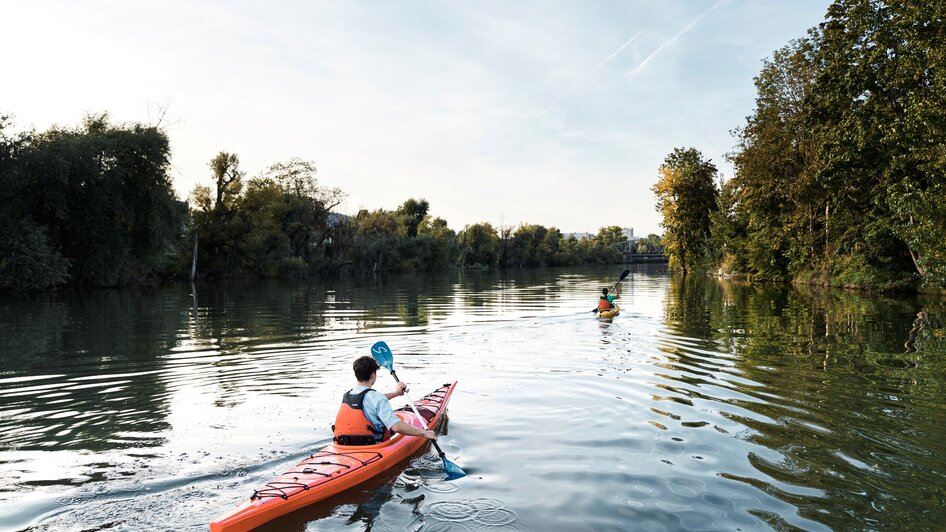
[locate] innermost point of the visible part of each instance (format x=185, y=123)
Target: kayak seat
x=354, y=439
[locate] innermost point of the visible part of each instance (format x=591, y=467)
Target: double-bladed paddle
x=385, y=358
x=623, y=276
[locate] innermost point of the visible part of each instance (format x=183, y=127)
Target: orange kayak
x=609, y=313
x=333, y=469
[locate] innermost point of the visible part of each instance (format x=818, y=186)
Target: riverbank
x=848, y=281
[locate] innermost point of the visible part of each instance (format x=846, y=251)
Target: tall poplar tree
x=686, y=196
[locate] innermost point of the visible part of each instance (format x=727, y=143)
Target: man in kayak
x=606, y=301
x=365, y=416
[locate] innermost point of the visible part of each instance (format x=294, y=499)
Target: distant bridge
x=640, y=258
x=629, y=254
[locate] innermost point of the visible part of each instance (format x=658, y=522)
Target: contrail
x=673, y=39
x=615, y=53
x=607, y=59
x=592, y=73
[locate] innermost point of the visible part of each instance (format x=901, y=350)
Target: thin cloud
x=674, y=39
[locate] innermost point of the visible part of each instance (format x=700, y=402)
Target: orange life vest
x=352, y=426
x=604, y=304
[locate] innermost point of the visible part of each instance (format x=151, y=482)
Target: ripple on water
x=459, y=510
x=484, y=503
x=486, y=513
x=441, y=487
x=494, y=517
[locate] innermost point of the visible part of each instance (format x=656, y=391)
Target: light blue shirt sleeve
x=378, y=410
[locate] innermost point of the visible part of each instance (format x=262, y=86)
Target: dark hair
x=364, y=367
x=604, y=291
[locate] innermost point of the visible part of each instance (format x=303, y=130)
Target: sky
x=555, y=113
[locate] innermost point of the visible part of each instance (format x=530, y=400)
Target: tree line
x=94, y=206
x=840, y=170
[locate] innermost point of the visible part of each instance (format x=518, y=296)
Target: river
x=706, y=404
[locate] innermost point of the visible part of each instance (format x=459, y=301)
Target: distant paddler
x=606, y=301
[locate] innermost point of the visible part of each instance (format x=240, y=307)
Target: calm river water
x=705, y=405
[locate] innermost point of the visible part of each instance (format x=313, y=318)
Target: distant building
x=629, y=234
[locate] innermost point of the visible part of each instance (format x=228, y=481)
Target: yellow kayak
x=608, y=314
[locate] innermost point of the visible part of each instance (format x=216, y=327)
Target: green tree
x=264, y=248
x=839, y=170
x=382, y=243
x=649, y=244
x=29, y=259
x=880, y=116
x=376, y=239
x=549, y=247
x=607, y=246
x=97, y=197
x=774, y=198
x=305, y=209
x=441, y=241
x=413, y=212
x=686, y=196
x=728, y=228
x=216, y=225
x=528, y=246
x=479, y=245
x=228, y=178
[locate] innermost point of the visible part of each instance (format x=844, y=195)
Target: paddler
x=365, y=416
x=606, y=301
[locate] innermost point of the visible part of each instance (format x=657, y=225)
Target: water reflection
x=83, y=371
x=93, y=370
x=706, y=404
x=822, y=384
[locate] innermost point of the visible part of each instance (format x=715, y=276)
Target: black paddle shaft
x=439, y=450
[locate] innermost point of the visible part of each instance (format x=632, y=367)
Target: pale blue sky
x=556, y=113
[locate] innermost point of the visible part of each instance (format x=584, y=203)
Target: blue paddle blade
x=452, y=470
x=383, y=356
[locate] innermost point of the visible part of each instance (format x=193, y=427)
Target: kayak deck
x=333, y=469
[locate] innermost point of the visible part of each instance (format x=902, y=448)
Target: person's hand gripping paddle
x=385, y=358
